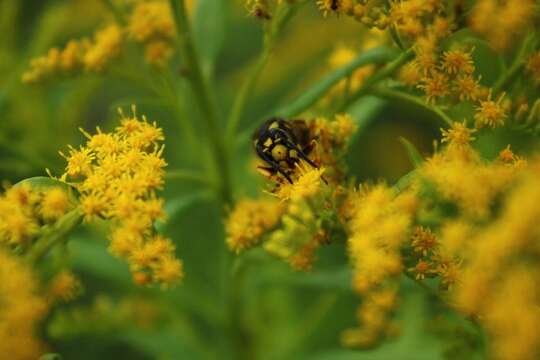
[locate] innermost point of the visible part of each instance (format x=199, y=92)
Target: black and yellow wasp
x=281, y=144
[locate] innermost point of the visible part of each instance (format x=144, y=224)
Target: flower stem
x=509, y=76
x=387, y=71
x=118, y=16
x=313, y=94
x=54, y=236
x=202, y=96
x=400, y=95
x=248, y=86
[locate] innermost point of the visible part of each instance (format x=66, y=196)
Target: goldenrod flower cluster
x=371, y=13
x=417, y=18
x=117, y=175
x=21, y=311
x=501, y=22
x=249, y=220
x=150, y=24
x=475, y=193
x=89, y=55
x=23, y=211
x=448, y=76
x=298, y=224
x=499, y=280
x=105, y=314
x=377, y=222
x=300, y=232
x=485, y=256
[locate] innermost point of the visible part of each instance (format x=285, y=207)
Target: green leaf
x=43, y=183
x=180, y=204
x=319, y=89
x=51, y=357
x=404, y=181
x=396, y=38
x=414, y=155
x=209, y=30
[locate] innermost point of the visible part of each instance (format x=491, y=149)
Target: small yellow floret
x=55, y=203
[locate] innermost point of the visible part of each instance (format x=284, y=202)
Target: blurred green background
x=279, y=314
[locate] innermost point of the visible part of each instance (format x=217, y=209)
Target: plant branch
x=248, y=86
x=55, y=235
x=118, y=16
x=312, y=95
x=400, y=95
x=387, y=71
x=509, y=76
x=202, y=96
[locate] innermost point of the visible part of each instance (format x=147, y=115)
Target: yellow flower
x=500, y=22
x=64, y=287
x=308, y=183
x=249, y=220
x=423, y=240
x=118, y=174
x=168, y=271
x=106, y=46
x=467, y=88
x=409, y=74
x=450, y=273
x=18, y=223
x=93, y=205
x=79, y=162
x=457, y=61
x=421, y=269
x=22, y=310
x=490, y=113
x=55, y=203
x=158, y=53
x=151, y=20
x=435, y=86
x=462, y=177
x=458, y=135
x=298, y=238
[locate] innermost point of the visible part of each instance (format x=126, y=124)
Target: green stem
x=399, y=95
x=202, y=96
x=509, y=76
x=271, y=34
x=387, y=71
x=55, y=235
x=119, y=17
x=187, y=175
x=312, y=95
x=245, y=91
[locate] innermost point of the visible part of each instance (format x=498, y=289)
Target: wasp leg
x=291, y=145
x=273, y=163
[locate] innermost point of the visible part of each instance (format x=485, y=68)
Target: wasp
x=282, y=144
